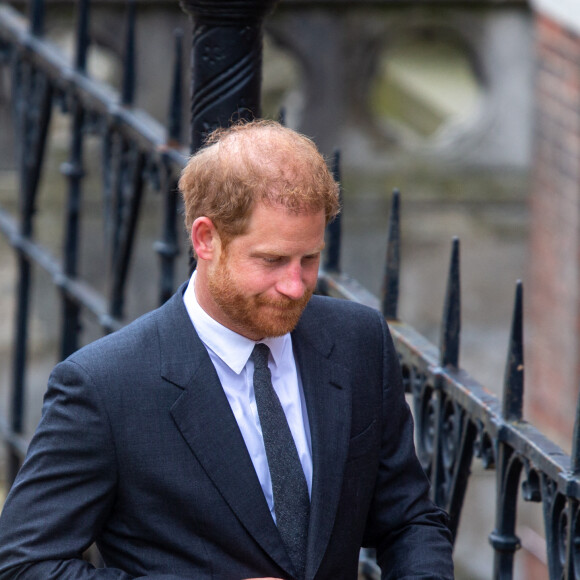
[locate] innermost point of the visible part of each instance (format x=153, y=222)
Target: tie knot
x=260, y=355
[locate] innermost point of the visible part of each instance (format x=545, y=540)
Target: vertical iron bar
x=174, y=132
x=503, y=538
x=442, y=480
x=17, y=82
x=82, y=40
x=37, y=11
x=167, y=246
x=36, y=117
x=334, y=229
x=38, y=95
x=129, y=60
x=552, y=505
x=282, y=116
x=127, y=235
x=23, y=91
x=19, y=363
x=226, y=62
x=451, y=327
x=575, y=456
x=513, y=395
x=118, y=177
x=73, y=170
x=436, y=469
x=390, y=290
x=570, y=540
x=107, y=166
x=461, y=475
x=20, y=96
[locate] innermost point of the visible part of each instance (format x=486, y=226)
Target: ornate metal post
x=226, y=62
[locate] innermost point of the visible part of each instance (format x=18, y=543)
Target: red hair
x=258, y=161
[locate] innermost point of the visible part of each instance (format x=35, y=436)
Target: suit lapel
x=205, y=419
x=328, y=399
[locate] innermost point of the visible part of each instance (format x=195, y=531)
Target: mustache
x=284, y=301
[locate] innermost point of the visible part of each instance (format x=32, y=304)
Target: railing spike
x=129, y=61
x=451, y=326
x=334, y=229
x=390, y=289
x=174, y=132
x=513, y=394
x=282, y=116
x=83, y=40
x=37, y=10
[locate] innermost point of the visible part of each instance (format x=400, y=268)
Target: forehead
x=265, y=213
x=274, y=224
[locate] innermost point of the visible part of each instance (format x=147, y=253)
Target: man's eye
x=271, y=260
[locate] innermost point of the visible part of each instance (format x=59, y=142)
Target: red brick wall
x=553, y=295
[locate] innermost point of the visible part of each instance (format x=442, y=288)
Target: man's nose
x=292, y=284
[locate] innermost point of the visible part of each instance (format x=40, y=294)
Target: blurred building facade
x=554, y=289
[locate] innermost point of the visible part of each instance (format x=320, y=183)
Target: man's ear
x=205, y=238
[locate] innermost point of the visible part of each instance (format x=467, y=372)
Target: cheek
x=256, y=281
x=310, y=274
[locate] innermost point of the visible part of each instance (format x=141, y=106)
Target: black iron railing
x=456, y=418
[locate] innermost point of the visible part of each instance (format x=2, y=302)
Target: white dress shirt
x=230, y=354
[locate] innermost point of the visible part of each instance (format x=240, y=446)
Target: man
x=187, y=449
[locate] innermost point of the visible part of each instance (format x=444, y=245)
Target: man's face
x=260, y=284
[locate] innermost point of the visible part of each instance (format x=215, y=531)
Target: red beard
x=255, y=317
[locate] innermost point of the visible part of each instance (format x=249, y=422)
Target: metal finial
x=333, y=231
x=82, y=35
x=129, y=62
x=282, y=116
x=390, y=289
x=37, y=10
x=451, y=327
x=513, y=394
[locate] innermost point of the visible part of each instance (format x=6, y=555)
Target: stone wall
x=339, y=53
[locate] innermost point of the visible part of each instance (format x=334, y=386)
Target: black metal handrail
x=457, y=419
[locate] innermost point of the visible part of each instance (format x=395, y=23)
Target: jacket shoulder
x=341, y=312
x=139, y=340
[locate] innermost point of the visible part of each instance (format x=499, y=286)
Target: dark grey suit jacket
x=139, y=451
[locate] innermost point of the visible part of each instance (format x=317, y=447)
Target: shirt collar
x=232, y=348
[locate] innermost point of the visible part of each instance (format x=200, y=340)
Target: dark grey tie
x=291, y=501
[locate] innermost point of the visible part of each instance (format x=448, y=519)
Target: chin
x=279, y=329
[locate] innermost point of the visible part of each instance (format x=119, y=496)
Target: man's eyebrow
x=279, y=252
x=317, y=250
